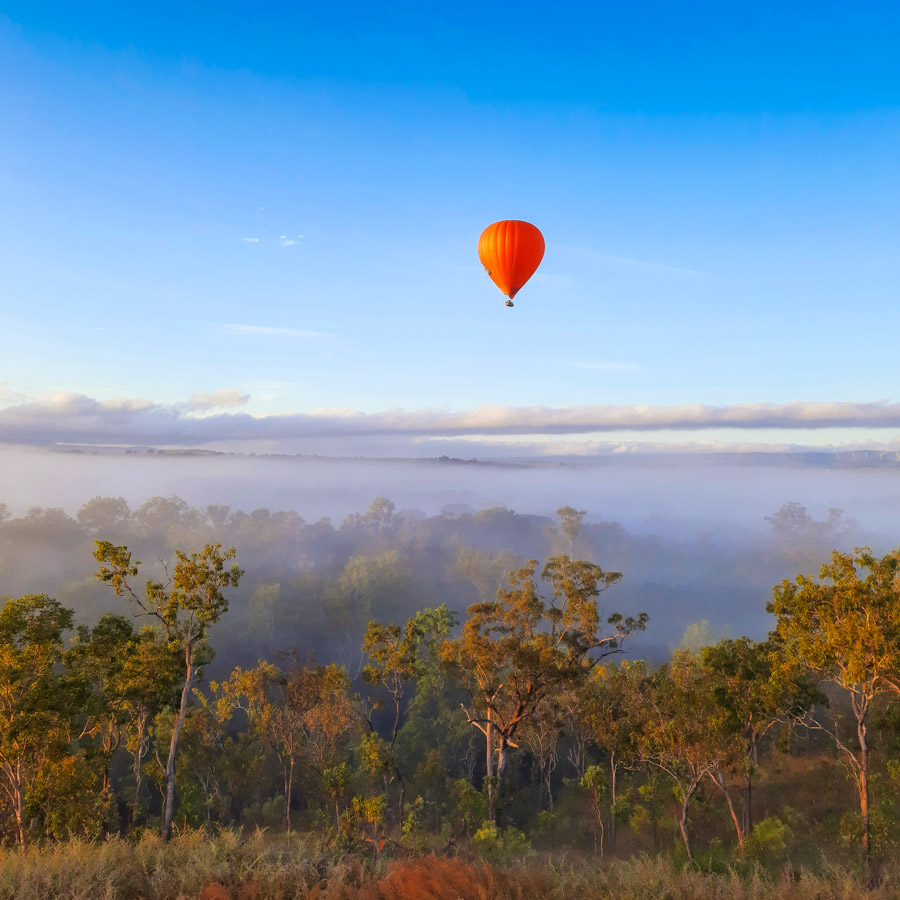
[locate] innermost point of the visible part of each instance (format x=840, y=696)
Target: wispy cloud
x=76, y=418
x=610, y=260
x=252, y=240
x=607, y=366
x=9, y=396
x=288, y=243
x=226, y=398
x=273, y=330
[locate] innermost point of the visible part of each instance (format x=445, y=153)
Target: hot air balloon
x=510, y=252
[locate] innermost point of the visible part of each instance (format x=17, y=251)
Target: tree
x=681, y=733
x=283, y=707
x=845, y=629
x=570, y=520
x=802, y=537
x=486, y=571
x=150, y=680
x=754, y=690
x=35, y=707
x=328, y=722
x=605, y=709
x=263, y=602
x=185, y=606
x=105, y=515
x=158, y=516
x=594, y=783
x=398, y=656
x=368, y=585
x=217, y=514
x=541, y=734
x=275, y=705
x=517, y=650
x=98, y=659
x=380, y=514
x=128, y=677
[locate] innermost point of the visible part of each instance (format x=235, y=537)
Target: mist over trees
x=398, y=682
x=317, y=584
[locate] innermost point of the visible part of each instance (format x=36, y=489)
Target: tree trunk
x=747, y=811
x=613, y=770
x=683, y=822
x=502, y=759
x=19, y=804
x=288, y=787
x=401, y=785
x=599, y=815
x=862, y=730
x=489, y=763
x=719, y=779
x=139, y=750
x=169, y=809
x=575, y=755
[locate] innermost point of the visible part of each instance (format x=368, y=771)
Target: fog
x=648, y=495
x=690, y=536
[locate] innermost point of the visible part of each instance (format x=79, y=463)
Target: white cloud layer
x=75, y=418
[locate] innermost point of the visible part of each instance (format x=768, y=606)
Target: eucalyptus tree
x=844, y=628
x=518, y=650
x=570, y=520
x=754, y=691
x=397, y=658
x=607, y=711
x=36, y=707
x=183, y=607
x=681, y=732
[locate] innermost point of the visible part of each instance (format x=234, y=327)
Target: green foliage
x=845, y=629
x=594, y=781
x=185, y=606
x=413, y=830
x=102, y=716
x=467, y=806
x=336, y=780
x=37, y=703
x=374, y=756
x=500, y=845
x=517, y=650
x=769, y=840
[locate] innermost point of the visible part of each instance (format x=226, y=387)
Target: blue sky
x=283, y=205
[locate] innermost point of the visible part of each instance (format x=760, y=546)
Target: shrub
x=769, y=840
x=500, y=846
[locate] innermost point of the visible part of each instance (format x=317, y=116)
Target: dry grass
x=229, y=866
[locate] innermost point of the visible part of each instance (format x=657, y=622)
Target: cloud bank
x=76, y=418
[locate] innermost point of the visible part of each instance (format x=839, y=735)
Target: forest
x=478, y=686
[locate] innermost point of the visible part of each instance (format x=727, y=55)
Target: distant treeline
x=300, y=573
x=501, y=723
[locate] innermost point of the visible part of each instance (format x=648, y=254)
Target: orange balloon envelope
x=510, y=252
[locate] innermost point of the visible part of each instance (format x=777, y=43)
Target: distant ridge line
x=819, y=459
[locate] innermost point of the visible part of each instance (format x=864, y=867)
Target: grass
x=231, y=866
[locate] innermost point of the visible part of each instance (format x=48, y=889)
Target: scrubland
x=226, y=865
